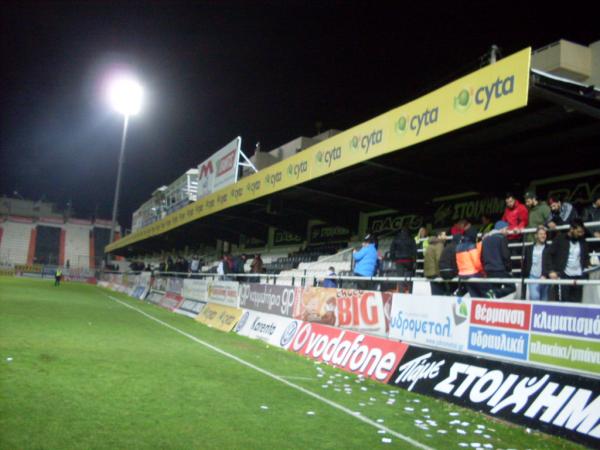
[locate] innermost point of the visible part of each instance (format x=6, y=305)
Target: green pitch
x=87, y=372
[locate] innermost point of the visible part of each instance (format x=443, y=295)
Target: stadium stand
x=14, y=246
x=77, y=245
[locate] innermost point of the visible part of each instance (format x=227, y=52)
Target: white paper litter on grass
x=264, y=407
x=477, y=431
x=408, y=408
x=454, y=422
x=463, y=444
x=325, y=386
x=442, y=431
x=9, y=359
x=465, y=424
x=310, y=413
x=453, y=414
x=386, y=440
x=488, y=445
x=461, y=431
x=475, y=444
x=417, y=421
x=379, y=420
x=362, y=388
x=362, y=404
x=433, y=423
x=416, y=400
x=487, y=436
x=481, y=427
x=372, y=399
x=381, y=431
x=425, y=410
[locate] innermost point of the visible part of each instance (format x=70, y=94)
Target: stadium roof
x=479, y=133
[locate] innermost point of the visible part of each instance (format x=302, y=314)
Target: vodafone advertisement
x=359, y=354
x=363, y=311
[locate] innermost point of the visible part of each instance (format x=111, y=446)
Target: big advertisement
x=361, y=354
x=224, y=293
x=268, y=298
x=171, y=301
x=566, y=336
x=174, y=285
x=557, y=403
x=220, y=317
x=435, y=321
x=362, y=311
x=220, y=169
x=276, y=330
x=488, y=92
x=195, y=289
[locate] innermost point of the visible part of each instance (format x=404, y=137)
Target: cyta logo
x=273, y=178
x=463, y=100
x=484, y=94
x=297, y=169
x=417, y=122
x=329, y=156
x=367, y=141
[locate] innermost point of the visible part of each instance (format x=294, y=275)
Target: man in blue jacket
x=365, y=260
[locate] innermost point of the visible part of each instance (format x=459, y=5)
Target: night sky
x=268, y=71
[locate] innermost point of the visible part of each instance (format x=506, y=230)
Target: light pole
x=125, y=95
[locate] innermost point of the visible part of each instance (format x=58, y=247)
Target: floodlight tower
x=125, y=95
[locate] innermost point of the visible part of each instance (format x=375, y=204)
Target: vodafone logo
x=356, y=353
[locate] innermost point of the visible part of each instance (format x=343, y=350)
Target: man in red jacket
x=516, y=215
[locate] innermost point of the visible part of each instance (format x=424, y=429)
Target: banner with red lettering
x=361, y=354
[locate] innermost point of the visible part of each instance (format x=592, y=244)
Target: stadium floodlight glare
x=126, y=95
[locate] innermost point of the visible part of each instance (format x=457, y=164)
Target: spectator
x=330, y=281
x=365, y=260
x=403, y=252
x=195, y=265
x=257, y=264
x=538, y=213
x=460, y=227
x=431, y=265
x=421, y=239
x=486, y=224
x=448, y=267
x=516, y=215
x=561, y=213
x=468, y=261
x=496, y=260
x=592, y=214
x=568, y=258
x=536, y=265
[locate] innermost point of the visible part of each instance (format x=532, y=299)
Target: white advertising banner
x=220, y=169
x=276, y=330
x=190, y=308
x=195, y=289
x=435, y=321
x=224, y=293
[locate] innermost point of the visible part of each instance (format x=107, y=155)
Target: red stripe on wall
x=1, y=231
x=61, y=248
x=92, y=253
x=32, y=240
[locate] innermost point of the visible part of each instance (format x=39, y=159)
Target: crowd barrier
x=536, y=364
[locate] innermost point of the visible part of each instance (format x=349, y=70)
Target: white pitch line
x=292, y=377
x=278, y=378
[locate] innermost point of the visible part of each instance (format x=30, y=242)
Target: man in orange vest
x=468, y=260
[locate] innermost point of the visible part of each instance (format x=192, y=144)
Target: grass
x=89, y=373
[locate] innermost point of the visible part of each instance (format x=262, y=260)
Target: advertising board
x=268, y=298
x=557, y=403
x=170, y=301
x=436, y=321
x=195, y=289
x=190, y=308
x=276, y=330
x=220, y=317
x=224, y=293
x=361, y=354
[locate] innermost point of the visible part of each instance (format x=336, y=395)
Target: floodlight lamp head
x=126, y=95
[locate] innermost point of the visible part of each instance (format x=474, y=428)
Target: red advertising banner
x=360, y=354
x=171, y=301
x=501, y=314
